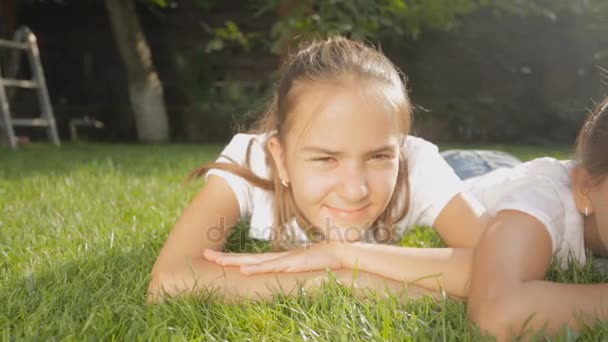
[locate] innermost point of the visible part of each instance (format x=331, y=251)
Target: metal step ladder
x=25, y=40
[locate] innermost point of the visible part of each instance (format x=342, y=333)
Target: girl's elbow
x=156, y=292
x=163, y=285
x=496, y=317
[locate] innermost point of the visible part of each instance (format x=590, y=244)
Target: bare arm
x=182, y=269
x=230, y=285
x=507, y=287
x=436, y=269
x=447, y=269
x=462, y=222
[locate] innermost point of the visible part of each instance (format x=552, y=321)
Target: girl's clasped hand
x=310, y=258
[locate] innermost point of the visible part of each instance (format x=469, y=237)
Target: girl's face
x=598, y=197
x=592, y=197
x=340, y=156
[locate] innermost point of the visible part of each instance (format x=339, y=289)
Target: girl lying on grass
x=331, y=176
x=543, y=211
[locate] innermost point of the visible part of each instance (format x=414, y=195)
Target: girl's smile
x=354, y=214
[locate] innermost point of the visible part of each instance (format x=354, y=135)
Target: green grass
x=80, y=227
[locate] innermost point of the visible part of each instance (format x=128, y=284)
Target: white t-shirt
x=540, y=188
x=432, y=184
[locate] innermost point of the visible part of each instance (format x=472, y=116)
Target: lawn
x=80, y=227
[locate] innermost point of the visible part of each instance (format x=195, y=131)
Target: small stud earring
x=586, y=211
x=285, y=183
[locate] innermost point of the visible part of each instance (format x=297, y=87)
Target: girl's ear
x=278, y=156
x=581, y=186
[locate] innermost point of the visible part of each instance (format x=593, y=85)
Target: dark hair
x=335, y=59
x=592, y=143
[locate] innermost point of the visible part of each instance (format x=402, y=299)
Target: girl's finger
x=226, y=259
x=277, y=265
x=212, y=254
x=287, y=264
x=238, y=259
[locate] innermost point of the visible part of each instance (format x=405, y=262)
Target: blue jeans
x=473, y=163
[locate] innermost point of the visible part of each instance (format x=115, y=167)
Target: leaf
x=215, y=44
x=160, y=3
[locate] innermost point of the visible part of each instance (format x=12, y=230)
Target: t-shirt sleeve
x=536, y=197
x=236, y=152
x=433, y=182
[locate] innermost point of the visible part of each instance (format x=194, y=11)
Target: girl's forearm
x=230, y=285
x=227, y=283
x=536, y=305
x=436, y=269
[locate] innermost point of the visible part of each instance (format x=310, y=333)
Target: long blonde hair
x=333, y=59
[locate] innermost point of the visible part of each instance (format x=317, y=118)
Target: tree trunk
x=8, y=18
x=145, y=88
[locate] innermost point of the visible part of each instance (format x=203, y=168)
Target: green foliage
x=160, y=3
x=224, y=104
x=225, y=36
x=206, y=5
x=500, y=113
x=232, y=99
x=198, y=71
x=552, y=8
x=364, y=19
x=586, y=16
x=360, y=19
x=228, y=33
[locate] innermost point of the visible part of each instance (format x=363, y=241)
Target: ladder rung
x=30, y=122
x=8, y=82
x=13, y=45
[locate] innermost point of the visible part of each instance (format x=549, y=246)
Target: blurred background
x=479, y=71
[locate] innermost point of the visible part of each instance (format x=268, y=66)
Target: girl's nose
x=354, y=184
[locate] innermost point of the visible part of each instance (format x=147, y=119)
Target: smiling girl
x=332, y=177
